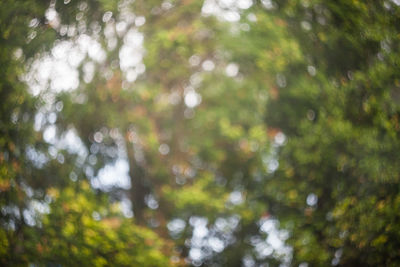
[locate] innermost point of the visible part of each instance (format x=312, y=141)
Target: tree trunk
x=139, y=188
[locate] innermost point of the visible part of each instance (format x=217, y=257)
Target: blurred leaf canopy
x=199, y=133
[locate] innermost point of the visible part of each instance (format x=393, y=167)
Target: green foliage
x=341, y=122
x=271, y=139
x=83, y=229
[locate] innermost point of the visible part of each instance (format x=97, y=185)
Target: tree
x=177, y=128
x=253, y=134
x=46, y=217
x=336, y=188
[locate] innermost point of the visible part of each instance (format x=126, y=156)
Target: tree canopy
x=199, y=133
